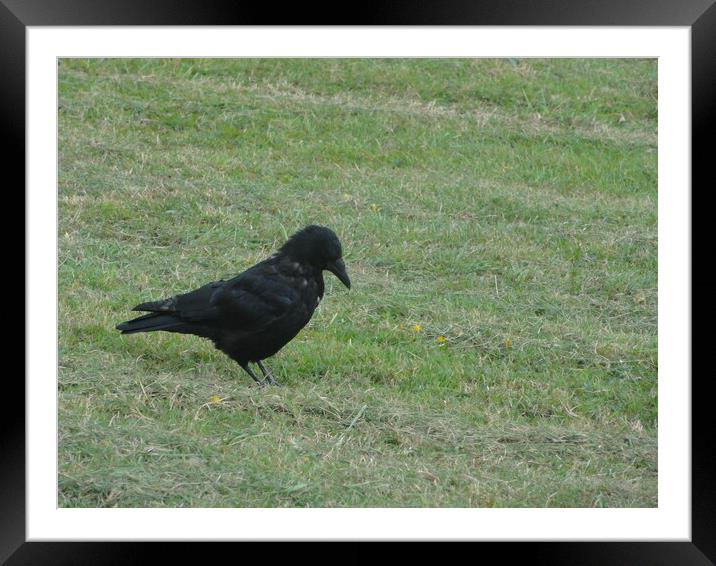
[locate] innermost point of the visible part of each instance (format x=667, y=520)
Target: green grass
x=507, y=205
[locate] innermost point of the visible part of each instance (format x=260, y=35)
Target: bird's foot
x=267, y=374
x=270, y=381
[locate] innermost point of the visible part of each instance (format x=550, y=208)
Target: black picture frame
x=699, y=15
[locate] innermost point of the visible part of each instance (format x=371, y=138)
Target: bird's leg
x=267, y=375
x=248, y=370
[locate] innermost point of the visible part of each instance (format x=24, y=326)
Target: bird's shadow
x=170, y=353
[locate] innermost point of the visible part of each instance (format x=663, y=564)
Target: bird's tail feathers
x=154, y=306
x=149, y=323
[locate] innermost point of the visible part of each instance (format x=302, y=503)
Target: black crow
x=255, y=314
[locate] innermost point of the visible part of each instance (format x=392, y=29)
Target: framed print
x=508, y=205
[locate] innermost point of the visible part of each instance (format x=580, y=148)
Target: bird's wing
x=192, y=307
x=256, y=298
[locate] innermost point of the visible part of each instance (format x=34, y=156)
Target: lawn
x=499, y=224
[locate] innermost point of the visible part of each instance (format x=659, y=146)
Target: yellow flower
x=440, y=339
x=374, y=207
x=507, y=342
x=214, y=399
x=401, y=326
x=416, y=328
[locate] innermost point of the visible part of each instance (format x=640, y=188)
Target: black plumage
x=255, y=314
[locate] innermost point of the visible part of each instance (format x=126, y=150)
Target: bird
x=252, y=316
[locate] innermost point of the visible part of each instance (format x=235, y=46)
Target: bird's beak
x=338, y=268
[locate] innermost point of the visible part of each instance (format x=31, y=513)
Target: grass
x=509, y=206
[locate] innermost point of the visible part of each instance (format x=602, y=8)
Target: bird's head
x=320, y=247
